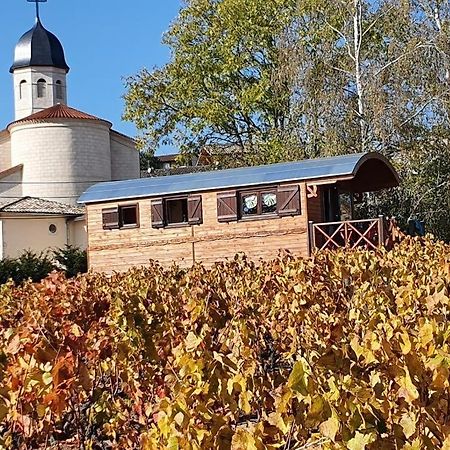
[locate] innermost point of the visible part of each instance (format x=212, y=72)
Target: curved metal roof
x=309, y=169
x=39, y=47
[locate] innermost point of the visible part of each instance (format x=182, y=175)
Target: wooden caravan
x=205, y=217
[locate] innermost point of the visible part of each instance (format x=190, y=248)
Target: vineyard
x=347, y=350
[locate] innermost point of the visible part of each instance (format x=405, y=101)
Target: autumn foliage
x=345, y=350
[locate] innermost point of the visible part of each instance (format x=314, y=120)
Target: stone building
x=51, y=153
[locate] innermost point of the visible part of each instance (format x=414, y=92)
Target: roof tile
x=58, y=111
x=33, y=205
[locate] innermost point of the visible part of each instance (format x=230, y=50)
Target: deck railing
x=367, y=233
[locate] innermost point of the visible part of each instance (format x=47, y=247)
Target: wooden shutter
x=110, y=218
x=195, y=212
x=288, y=200
x=227, y=207
x=157, y=213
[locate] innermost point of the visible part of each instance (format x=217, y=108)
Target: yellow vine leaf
x=360, y=441
x=192, y=341
x=298, y=379
x=330, y=427
x=446, y=444
x=408, y=423
x=243, y=440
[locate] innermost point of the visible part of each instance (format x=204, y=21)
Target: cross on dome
x=37, y=6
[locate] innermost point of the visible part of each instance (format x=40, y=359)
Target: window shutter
x=195, y=212
x=227, y=208
x=157, y=213
x=289, y=200
x=110, y=218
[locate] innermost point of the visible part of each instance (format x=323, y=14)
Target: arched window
x=59, y=90
x=41, y=88
x=22, y=86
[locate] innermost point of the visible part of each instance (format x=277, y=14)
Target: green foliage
x=35, y=267
x=218, y=89
x=346, y=350
x=29, y=265
x=263, y=81
x=71, y=260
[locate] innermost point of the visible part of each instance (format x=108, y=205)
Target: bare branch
x=342, y=35
x=377, y=19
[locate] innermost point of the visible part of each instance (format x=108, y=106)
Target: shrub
x=71, y=260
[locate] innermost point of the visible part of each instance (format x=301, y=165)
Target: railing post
x=312, y=237
x=380, y=230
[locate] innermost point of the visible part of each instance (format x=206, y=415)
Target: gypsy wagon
x=204, y=217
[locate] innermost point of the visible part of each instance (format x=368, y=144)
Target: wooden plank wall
x=117, y=250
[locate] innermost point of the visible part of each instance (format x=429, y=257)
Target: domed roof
x=39, y=47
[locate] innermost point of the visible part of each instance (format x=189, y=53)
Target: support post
x=311, y=237
x=381, y=230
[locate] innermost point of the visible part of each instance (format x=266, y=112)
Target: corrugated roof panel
x=223, y=179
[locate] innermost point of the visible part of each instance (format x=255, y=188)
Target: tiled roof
x=33, y=205
x=58, y=111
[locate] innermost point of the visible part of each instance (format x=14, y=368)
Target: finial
x=37, y=7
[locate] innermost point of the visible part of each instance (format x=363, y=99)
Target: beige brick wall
x=124, y=158
x=61, y=159
x=5, y=151
x=11, y=185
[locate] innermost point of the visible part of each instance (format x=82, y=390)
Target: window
x=272, y=201
x=128, y=216
x=59, y=90
x=41, y=88
x=173, y=211
x=125, y=216
x=22, y=86
x=258, y=203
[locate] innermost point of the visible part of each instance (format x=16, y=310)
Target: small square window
x=128, y=215
x=177, y=211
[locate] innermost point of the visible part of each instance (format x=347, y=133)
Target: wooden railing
x=368, y=233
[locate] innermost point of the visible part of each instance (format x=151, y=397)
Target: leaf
x=426, y=334
x=405, y=343
x=360, y=441
x=243, y=440
x=408, y=423
x=192, y=342
x=47, y=378
x=76, y=330
x=407, y=388
x=298, y=379
x=446, y=444
x=330, y=427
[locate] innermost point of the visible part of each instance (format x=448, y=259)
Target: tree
x=218, y=88
x=280, y=80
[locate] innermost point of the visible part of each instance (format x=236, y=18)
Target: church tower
x=39, y=71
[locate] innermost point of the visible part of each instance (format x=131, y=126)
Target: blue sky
x=104, y=41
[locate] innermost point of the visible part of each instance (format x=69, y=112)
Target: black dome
x=39, y=47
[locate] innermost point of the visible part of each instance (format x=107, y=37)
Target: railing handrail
x=345, y=221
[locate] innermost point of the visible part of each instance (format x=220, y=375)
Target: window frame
x=119, y=225
x=128, y=225
x=59, y=94
x=159, y=211
x=41, y=88
x=168, y=224
x=259, y=194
